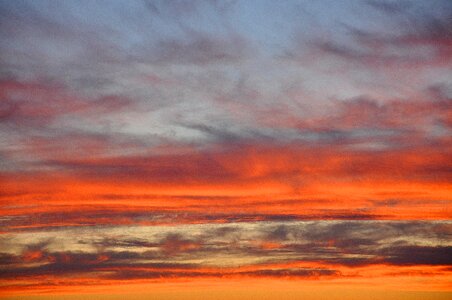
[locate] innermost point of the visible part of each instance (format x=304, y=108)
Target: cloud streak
x=286, y=250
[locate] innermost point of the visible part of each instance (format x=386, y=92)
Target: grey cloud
x=390, y=7
x=276, y=273
x=417, y=27
x=418, y=255
x=171, y=253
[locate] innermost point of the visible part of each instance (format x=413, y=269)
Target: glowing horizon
x=225, y=149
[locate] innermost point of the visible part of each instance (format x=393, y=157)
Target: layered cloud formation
x=160, y=141
x=326, y=250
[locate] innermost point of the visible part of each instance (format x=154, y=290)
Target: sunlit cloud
x=165, y=142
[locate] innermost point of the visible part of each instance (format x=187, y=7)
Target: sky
x=215, y=149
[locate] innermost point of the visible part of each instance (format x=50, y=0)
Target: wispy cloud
x=172, y=141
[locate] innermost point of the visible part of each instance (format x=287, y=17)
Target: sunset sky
x=224, y=149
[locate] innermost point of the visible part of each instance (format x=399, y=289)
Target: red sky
x=225, y=149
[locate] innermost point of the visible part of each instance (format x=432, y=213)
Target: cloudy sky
x=225, y=149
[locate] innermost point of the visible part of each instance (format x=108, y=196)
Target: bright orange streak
x=417, y=280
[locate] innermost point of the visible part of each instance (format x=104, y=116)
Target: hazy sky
x=159, y=145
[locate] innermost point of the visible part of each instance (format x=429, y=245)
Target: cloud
x=309, y=249
x=389, y=7
x=89, y=167
x=272, y=273
x=174, y=244
x=216, y=165
x=418, y=255
x=420, y=39
x=166, y=141
x=38, y=104
x=201, y=48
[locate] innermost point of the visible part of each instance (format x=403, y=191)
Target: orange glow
x=225, y=150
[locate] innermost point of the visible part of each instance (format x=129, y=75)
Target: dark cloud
x=124, y=266
x=279, y=233
x=290, y=273
x=220, y=134
x=418, y=255
x=170, y=253
x=275, y=273
x=149, y=168
x=416, y=28
x=174, y=244
x=97, y=216
x=125, y=243
x=395, y=124
x=39, y=104
x=390, y=7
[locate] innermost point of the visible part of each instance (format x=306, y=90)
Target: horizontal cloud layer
x=170, y=141
x=269, y=249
